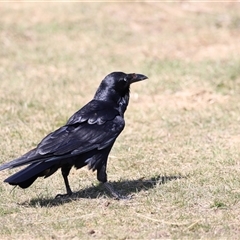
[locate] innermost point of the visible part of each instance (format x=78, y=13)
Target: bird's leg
x=65, y=172
x=102, y=177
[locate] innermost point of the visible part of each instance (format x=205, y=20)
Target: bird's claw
x=62, y=196
x=115, y=194
x=122, y=197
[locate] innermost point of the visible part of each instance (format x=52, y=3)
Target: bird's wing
x=95, y=126
x=83, y=137
x=94, y=112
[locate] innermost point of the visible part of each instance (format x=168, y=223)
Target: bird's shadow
x=125, y=188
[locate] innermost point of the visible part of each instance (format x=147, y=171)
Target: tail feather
x=23, y=160
x=33, y=157
x=25, y=184
x=25, y=177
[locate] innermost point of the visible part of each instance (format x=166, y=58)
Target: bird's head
x=121, y=81
x=118, y=82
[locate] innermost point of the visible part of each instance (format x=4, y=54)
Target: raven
x=86, y=139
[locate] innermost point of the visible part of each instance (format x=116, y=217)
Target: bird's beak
x=134, y=77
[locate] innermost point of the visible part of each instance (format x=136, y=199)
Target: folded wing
x=95, y=126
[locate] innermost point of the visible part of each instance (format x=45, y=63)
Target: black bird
x=86, y=139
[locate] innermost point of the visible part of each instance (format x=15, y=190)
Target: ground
x=178, y=156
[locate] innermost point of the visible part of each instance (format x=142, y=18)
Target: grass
x=179, y=153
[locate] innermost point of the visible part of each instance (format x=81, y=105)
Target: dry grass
x=179, y=153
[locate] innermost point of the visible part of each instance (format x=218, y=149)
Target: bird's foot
x=62, y=196
x=115, y=194
x=118, y=196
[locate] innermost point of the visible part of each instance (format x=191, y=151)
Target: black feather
x=86, y=139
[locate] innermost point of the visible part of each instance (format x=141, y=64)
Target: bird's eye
x=123, y=80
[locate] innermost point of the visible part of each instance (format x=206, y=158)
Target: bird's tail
x=25, y=177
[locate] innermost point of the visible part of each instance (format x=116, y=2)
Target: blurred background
x=53, y=56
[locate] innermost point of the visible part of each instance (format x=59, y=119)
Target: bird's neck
x=119, y=100
x=123, y=103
